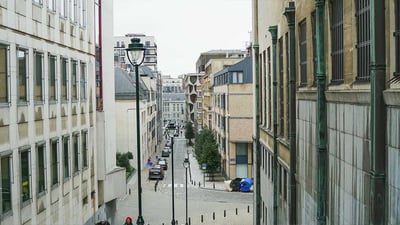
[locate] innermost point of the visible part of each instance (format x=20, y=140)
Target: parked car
x=165, y=152
x=163, y=163
x=168, y=148
x=156, y=172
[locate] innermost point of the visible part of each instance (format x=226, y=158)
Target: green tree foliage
x=130, y=155
x=189, y=132
x=206, y=151
x=123, y=161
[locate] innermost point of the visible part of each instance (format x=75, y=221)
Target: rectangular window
x=269, y=97
x=5, y=184
x=240, y=77
x=76, y=153
x=38, y=80
x=51, y=5
x=74, y=6
x=64, y=8
x=303, y=52
x=54, y=162
x=41, y=168
x=82, y=16
x=74, y=88
x=66, y=158
x=83, y=82
x=284, y=184
x=25, y=175
x=84, y=149
x=337, y=40
x=363, y=39
x=52, y=78
x=314, y=44
x=281, y=88
x=39, y=2
x=234, y=77
x=4, y=73
x=397, y=37
x=22, y=78
x=64, y=79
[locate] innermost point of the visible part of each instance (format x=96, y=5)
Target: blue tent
x=245, y=184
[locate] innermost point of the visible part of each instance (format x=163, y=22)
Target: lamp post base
x=140, y=220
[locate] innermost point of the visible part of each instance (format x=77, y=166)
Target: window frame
x=55, y=162
x=303, y=52
x=66, y=158
x=7, y=155
x=84, y=144
x=38, y=99
x=281, y=107
x=27, y=201
x=64, y=8
x=396, y=35
x=41, y=169
x=76, y=153
x=74, y=80
x=82, y=13
x=52, y=78
x=64, y=71
x=337, y=46
x=7, y=78
x=363, y=40
x=52, y=5
x=24, y=77
x=83, y=81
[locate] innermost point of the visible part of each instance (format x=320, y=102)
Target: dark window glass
x=41, y=180
x=25, y=176
x=38, y=81
x=397, y=37
x=54, y=163
x=52, y=77
x=22, y=67
x=76, y=153
x=3, y=73
x=64, y=79
x=74, y=88
x=363, y=39
x=303, y=52
x=281, y=89
x=84, y=150
x=5, y=187
x=337, y=40
x=66, y=158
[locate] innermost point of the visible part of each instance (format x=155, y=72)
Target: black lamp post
x=135, y=52
x=186, y=164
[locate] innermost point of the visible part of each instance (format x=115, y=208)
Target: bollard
x=129, y=191
x=213, y=215
x=213, y=185
x=199, y=184
x=236, y=211
x=248, y=209
x=190, y=221
x=194, y=183
x=224, y=213
x=201, y=219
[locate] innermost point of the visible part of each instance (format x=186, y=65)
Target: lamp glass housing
x=135, y=52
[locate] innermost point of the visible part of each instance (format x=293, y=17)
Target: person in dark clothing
x=128, y=221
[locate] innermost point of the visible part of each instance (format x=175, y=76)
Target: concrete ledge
x=392, y=97
x=353, y=97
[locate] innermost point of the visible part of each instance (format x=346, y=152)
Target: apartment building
x=173, y=100
x=47, y=108
x=233, y=118
x=326, y=93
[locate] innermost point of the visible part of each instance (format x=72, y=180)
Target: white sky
x=185, y=28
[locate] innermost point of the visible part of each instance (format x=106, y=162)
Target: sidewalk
x=199, y=180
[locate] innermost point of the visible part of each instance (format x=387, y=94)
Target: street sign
x=203, y=166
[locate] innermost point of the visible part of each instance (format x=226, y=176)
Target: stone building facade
x=344, y=57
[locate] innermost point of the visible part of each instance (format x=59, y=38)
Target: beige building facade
x=342, y=167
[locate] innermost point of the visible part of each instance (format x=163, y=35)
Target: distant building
x=173, y=98
x=190, y=84
x=217, y=54
x=232, y=109
x=122, y=42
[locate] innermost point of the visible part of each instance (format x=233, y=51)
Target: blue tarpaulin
x=245, y=184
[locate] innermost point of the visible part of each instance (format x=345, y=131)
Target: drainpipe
x=274, y=30
x=321, y=115
x=378, y=112
x=256, y=141
x=290, y=16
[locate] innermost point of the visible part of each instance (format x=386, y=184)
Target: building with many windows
x=48, y=120
x=233, y=118
x=173, y=98
x=327, y=108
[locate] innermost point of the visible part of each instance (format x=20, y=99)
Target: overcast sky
x=185, y=28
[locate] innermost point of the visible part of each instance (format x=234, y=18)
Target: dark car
x=163, y=163
x=156, y=172
x=165, y=152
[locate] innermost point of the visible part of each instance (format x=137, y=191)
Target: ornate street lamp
x=135, y=52
x=186, y=164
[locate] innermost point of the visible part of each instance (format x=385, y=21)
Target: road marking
x=175, y=185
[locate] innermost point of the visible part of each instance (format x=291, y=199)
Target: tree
x=123, y=161
x=189, y=132
x=206, y=151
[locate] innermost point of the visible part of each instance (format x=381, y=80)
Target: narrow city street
x=202, y=202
